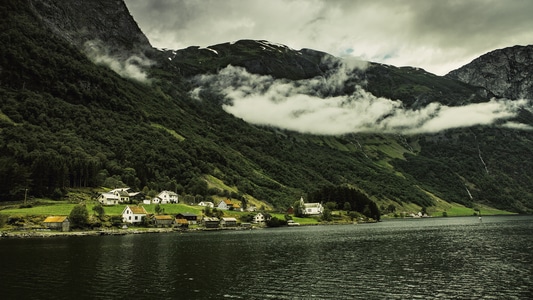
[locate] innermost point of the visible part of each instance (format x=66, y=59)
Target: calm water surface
x=444, y=258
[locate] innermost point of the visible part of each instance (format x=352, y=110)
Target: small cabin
x=229, y=222
x=163, y=220
x=211, y=222
x=60, y=223
x=190, y=217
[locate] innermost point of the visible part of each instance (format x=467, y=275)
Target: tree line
x=347, y=199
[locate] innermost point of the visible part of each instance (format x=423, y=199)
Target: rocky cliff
x=107, y=25
x=505, y=72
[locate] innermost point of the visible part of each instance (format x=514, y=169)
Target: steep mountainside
x=505, y=72
x=88, y=23
x=122, y=113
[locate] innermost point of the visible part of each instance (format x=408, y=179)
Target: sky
x=436, y=35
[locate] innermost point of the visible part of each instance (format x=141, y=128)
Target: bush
x=275, y=222
x=79, y=216
x=116, y=221
x=3, y=220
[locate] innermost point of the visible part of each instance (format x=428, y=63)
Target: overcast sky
x=436, y=35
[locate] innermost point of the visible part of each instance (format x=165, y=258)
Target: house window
x=135, y=218
x=129, y=218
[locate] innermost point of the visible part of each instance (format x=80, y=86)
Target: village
x=134, y=213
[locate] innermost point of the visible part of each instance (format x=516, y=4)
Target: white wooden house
x=259, y=218
x=133, y=214
x=312, y=208
x=108, y=199
x=207, y=204
x=166, y=197
x=122, y=194
x=114, y=197
x=225, y=205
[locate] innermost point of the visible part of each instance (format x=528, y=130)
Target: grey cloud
x=130, y=67
x=299, y=107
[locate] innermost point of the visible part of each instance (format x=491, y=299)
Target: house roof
x=170, y=193
x=163, y=217
x=55, y=219
x=228, y=202
x=182, y=221
x=137, y=210
x=186, y=214
x=123, y=193
x=120, y=190
x=229, y=219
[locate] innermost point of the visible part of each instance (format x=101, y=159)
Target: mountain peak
x=79, y=22
x=256, y=56
x=505, y=72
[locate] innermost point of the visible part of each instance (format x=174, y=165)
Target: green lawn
x=457, y=210
x=63, y=209
x=302, y=221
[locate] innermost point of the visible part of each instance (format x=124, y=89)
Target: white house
x=133, y=214
x=261, y=218
x=207, y=204
x=311, y=208
x=225, y=205
x=108, y=199
x=166, y=197
x=114, y=197
x=122, y=194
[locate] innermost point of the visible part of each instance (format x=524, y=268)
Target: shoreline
x=32, y=233
x=43, y=233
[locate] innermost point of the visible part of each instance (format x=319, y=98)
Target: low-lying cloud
x=304, y=106
x=129, y=67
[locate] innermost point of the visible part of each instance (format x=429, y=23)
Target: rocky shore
x=51, y=233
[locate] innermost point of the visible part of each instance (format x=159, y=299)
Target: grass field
x=43, y=207
x=459, y=210
x=61, y=208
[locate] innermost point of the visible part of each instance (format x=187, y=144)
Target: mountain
x=415, y=87
x=84, y=23
x=87, y=102
x=507, y=72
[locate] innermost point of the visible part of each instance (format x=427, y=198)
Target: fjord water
x=433, y=258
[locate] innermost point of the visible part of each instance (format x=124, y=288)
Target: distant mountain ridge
x=67, y=121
